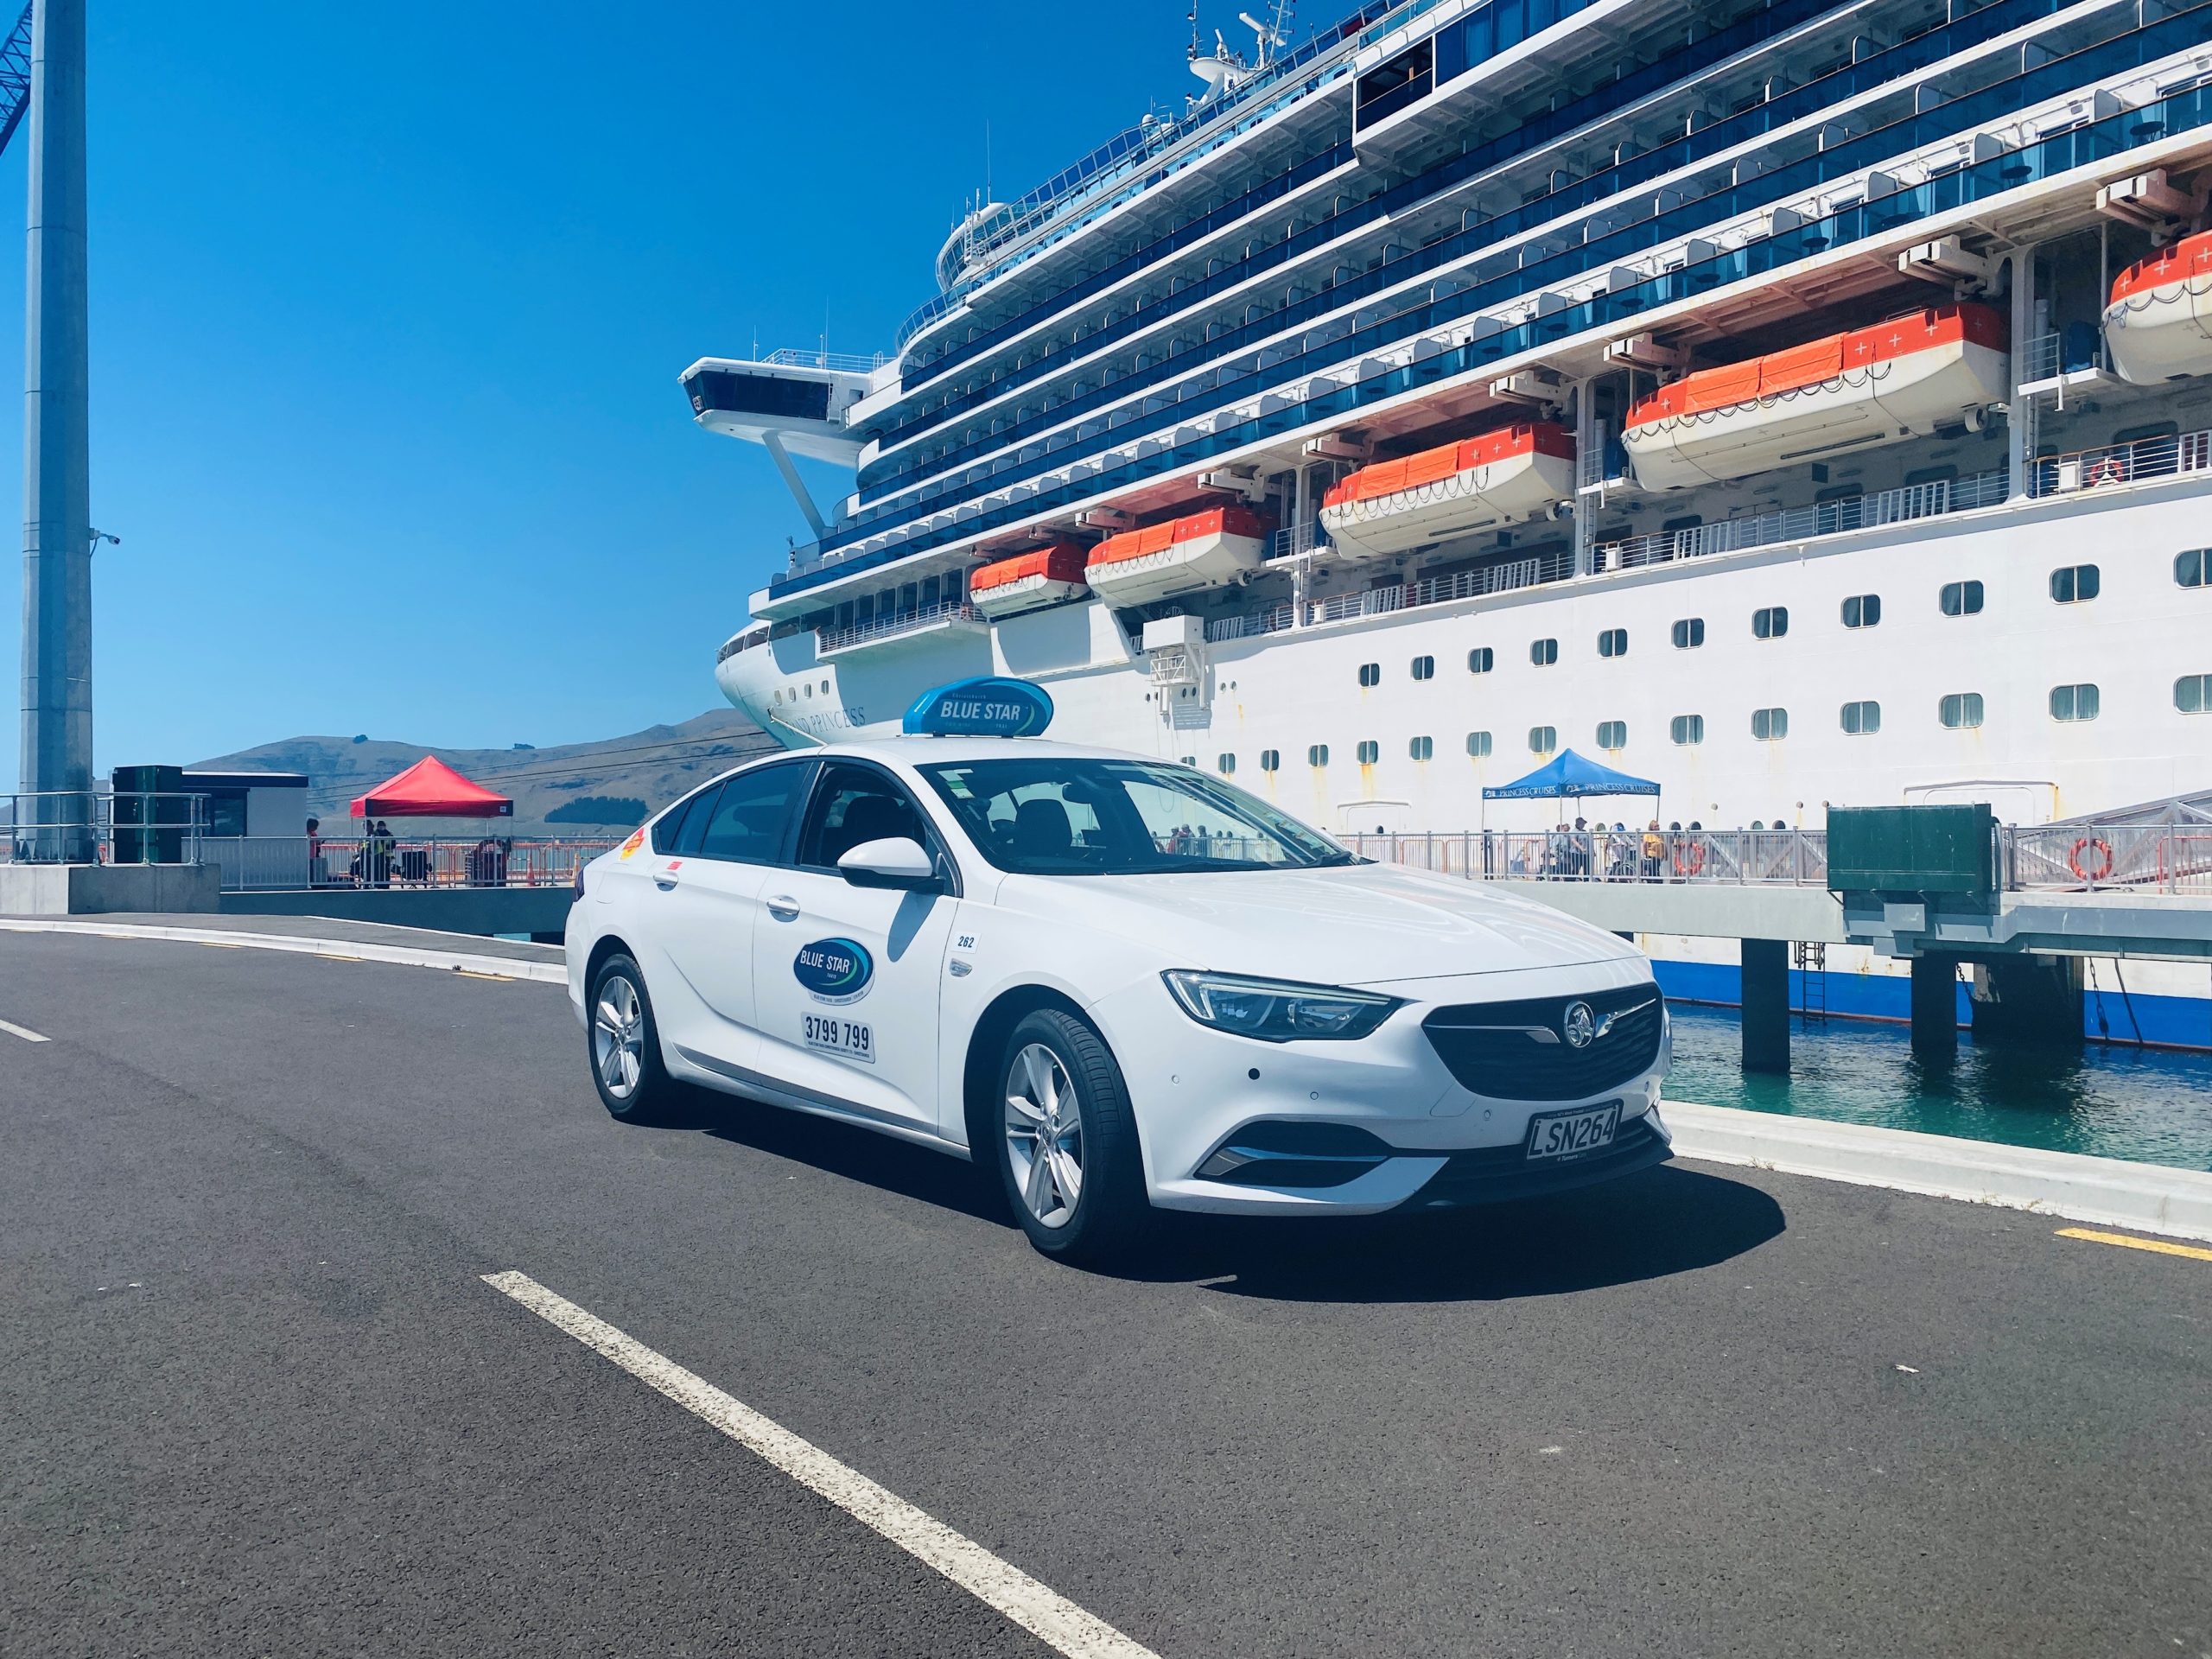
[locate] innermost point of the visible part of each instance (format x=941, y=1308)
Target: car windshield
x=1049, y=814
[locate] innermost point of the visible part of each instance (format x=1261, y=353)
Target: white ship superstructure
x=1790, y=402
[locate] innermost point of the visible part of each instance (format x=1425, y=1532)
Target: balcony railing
x=1801, y=523
x=2141, y=462
x=847, y=362
x=1934, y=47
x=885, y=627
x=2097, y=141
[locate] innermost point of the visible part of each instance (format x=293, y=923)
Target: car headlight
x=1277, y=1011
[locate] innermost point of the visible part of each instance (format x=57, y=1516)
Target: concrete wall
x=107, y=889
x=452, y=910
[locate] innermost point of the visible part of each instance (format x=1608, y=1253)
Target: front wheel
x=1066, y=1146
x=624, y=1045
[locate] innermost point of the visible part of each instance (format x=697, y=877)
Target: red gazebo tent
x=431, y=789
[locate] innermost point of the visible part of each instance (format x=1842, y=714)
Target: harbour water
x=2151, y=1105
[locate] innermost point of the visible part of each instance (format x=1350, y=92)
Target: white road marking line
x=23, y=1031
x=1045, y=1613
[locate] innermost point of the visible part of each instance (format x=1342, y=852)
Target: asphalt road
x=255, y=1398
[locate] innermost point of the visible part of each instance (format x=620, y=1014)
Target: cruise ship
x=1787, y=401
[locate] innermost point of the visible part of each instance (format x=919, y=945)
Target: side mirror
x=895, y=861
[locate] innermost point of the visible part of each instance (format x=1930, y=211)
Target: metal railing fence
x=2157, y=858
x=2175, y=455
x=305, y=864
x=97, y=827
x=883, y=628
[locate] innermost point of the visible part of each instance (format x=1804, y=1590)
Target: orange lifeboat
x=1456, y=489
x=2159, y=322
x=1028, y=581
x=1200, y=550
x=1846, y=392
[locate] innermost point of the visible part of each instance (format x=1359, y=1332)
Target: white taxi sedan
x=1119, y=982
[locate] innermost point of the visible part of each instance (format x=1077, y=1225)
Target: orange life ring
x=2107, y=470
x=2103, y=850
x=1689, y=858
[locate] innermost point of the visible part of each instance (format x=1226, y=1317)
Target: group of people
x=378, y=859
x=1582, y=851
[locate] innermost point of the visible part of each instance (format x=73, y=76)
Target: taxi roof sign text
x=992, y=706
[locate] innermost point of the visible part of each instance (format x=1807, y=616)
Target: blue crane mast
x=15, y=77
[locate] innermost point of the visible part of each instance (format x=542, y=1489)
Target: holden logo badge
x=1579, y=1024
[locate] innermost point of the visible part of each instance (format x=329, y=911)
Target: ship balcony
x=901, y=628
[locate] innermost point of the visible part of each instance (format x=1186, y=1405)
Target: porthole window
x=1190, y=760
x=1225, y=764
x=1862, y=611
x=1612, y=734
x=1317, y=755
x=810, y=689
x=2190, y=568
x=1270, y=759
x=1421, y=748
x=1769, y=725
x=2071, y=702
x=1961, y=711
x=1478, y=744
x=1542, y=739
x=1770, y=622
x=1543, y=653
x=2070, y=584
x=1862, y=719
x=1370, y=673
x=1689, y=633
x=2193, y=693
x=1961, y=598
x=1369, y=753
x=1687, y=729
x=1424, y=668
x=1613, y=642
x=1481, y=660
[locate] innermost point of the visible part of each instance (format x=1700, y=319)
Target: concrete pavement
x=260, y=1399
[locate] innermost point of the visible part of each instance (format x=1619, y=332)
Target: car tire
x=1056, y=1078
x=622, y=1045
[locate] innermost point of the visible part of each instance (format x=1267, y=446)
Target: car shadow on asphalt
x=1663, y=1221
x=855, y=1153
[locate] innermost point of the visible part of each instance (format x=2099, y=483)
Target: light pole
x=57, y=698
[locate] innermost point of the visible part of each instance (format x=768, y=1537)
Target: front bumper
x=1196, y=1091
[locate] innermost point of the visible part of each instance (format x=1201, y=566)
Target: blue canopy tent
x=1569, y=774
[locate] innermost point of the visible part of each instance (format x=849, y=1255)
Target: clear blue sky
x=387, y=310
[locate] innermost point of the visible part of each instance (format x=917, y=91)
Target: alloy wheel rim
x=1044, y=1135
x=618, y=1038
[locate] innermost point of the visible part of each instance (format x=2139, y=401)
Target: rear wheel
x=1066, y=1142
x=624, y=1045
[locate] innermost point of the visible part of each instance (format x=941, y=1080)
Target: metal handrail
x=314, y=863
x=1894, y=506
x=2109, y=465
x=96, y=826
x=882, y=627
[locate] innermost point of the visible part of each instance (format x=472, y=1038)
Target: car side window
x=745, y=826
x=854, y=804
x=688, y=814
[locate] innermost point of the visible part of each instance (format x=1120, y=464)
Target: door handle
x=665, y=883
x=783, y=909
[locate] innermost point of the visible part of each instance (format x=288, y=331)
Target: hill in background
x=576, y=780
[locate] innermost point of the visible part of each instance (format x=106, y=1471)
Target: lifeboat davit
x=1847, y=391
x=1201, y=549
x=1457, y=489
x=2159, y=322
x=1028, y=581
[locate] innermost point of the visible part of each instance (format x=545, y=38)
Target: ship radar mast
x=1223, y=70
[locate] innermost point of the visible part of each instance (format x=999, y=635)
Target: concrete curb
x=2148, y=1198
x=404, y=955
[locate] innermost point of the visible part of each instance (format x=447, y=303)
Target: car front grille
x=1520, y=1051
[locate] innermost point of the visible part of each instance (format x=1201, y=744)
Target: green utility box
x=1912, y=849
